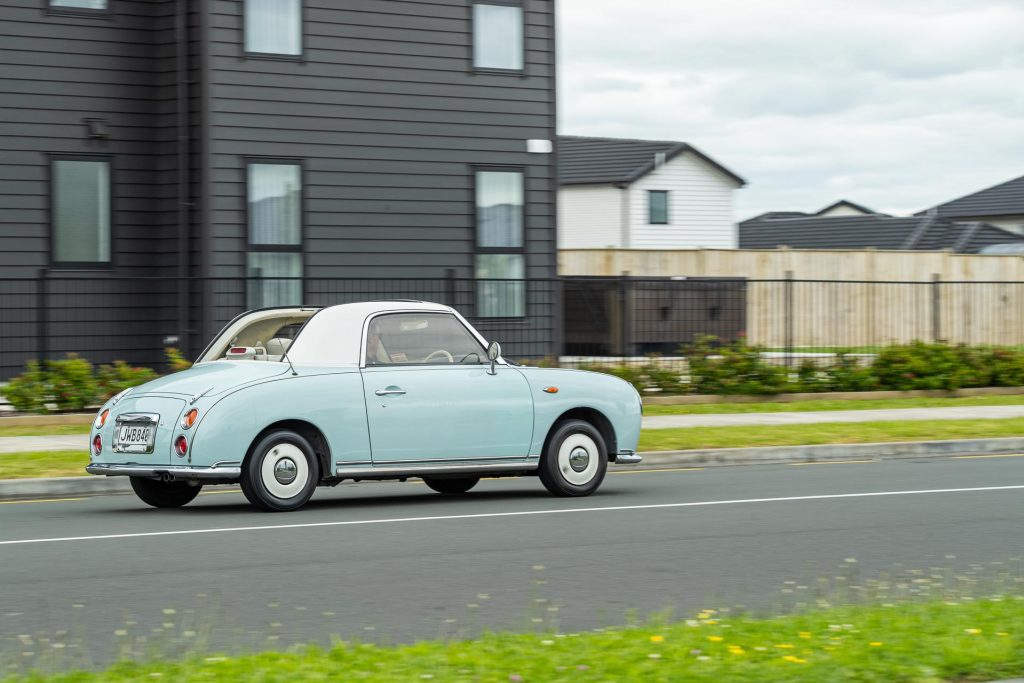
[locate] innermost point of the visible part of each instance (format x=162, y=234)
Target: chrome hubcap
x=285, y=471
x=579, y=459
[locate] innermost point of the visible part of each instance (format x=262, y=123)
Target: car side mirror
x=493, y=353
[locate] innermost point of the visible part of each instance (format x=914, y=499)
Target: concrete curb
x=67, y=487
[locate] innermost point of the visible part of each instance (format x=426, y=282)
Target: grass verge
x=918, y=641
x=826, y=433
x=43, y=464
x=51, y=430
x=812, y=406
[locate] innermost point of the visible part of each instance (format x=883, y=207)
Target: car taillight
x=102, y=419
x=97, y=445
x=181, y=445
x=189, y=419
x=237, y=349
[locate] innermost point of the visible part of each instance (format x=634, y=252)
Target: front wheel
x=575, y=461
x=281, y=473
x=451, y=487
x=164, y=494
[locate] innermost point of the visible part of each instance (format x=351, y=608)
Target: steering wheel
x=440, y=352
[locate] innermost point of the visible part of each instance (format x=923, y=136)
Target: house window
x=98, y=5
x=273, y=27
x=80, y=211
x=657, y=207
x=498, y=37
x=500, y=258
x=274, y=264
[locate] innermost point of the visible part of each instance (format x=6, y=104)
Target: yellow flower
x=784, y=646
x=657, y=639
x=795, y=660
x=711, y=621
x=805, y=634
x=1002, y=634
x=736, y=650
x=715, y=639
x=875, y=643
x=972, y=631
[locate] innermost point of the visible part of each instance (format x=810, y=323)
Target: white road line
x=523, y=513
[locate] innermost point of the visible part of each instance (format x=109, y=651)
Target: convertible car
x=288, y=399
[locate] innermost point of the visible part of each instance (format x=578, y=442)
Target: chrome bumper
x=222, y=471
x=628, y=458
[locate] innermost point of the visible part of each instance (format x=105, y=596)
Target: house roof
x=1004, y=199
x=585, y=160
x=923, y=233
x=846, y=202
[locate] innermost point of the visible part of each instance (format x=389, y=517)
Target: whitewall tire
x=281, y=473
x=575, y=461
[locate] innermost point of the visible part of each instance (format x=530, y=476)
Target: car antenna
x=285, y=357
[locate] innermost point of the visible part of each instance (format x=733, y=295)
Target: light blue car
x=288, y=399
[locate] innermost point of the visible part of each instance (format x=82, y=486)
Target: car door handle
x=390, y=391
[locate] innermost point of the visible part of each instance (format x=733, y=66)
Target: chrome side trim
x=175, y=471
x=625, y=457
x=347, y=472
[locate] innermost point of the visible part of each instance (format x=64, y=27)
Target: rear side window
x=421, y=338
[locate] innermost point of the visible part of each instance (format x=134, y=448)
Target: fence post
x=936, y=307
x=624, y=322
x=788, y=313
x=449, y=286
x=42, y=316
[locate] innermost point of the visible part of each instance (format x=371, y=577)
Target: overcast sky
x=895, y=104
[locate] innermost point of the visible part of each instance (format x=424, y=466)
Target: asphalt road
x=396, y=562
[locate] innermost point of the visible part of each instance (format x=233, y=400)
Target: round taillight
x=102, y=419
x=97, y=445
x=181, y=445
x=189, y=419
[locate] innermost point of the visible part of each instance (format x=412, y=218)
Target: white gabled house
x=642, y=194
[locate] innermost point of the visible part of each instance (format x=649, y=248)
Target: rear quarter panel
x=331, y=400
x=611, y=396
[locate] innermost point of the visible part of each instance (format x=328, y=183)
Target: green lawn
x=41, y=430
x=938, y=641
x=796, y=435
x=811, y=406
x=43, y=464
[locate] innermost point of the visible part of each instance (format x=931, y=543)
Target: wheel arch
x=594, y=417
x=309, y=431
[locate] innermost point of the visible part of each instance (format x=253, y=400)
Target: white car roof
x=334, y=335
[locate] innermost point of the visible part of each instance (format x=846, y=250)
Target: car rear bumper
x=219, y=471
x=628, y=458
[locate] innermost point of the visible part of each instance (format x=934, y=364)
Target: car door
x=430, y=397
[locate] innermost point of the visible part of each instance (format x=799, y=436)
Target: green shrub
x=175, y=361
x=733, y=369
x=29, y=391
x=921, y=365
x=113, y=379
x=71, y=383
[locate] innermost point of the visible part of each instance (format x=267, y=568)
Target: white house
x=642, y=194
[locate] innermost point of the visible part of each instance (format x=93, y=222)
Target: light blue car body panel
x=455, y=412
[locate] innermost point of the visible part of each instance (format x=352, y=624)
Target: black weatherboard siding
x=383, y=109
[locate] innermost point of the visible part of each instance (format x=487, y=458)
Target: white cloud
x=898, y=106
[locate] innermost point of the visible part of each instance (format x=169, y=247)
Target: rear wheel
x=575, y=461
x=451, y=487
x=281, y=473
x=164, y=494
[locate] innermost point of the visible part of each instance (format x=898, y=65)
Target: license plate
x=135, y=435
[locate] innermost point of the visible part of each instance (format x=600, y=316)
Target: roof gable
x=585, y=160
x=1004, y=199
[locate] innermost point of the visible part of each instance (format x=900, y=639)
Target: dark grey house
x=168, y=163
x=876, y=231
x=1001, y=205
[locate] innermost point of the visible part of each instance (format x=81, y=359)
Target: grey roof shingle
x=1004, y=199
x=925, y=233
x=585, y=160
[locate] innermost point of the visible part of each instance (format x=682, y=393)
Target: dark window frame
x=278, y=56
x=60, y=11
x=472, y=38
x=479, y=250
x=52, y=189
x=650, y=207
x=300, y=246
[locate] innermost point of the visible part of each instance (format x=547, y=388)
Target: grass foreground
x=686, y=438
x=954, y=640
x=44, y=464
